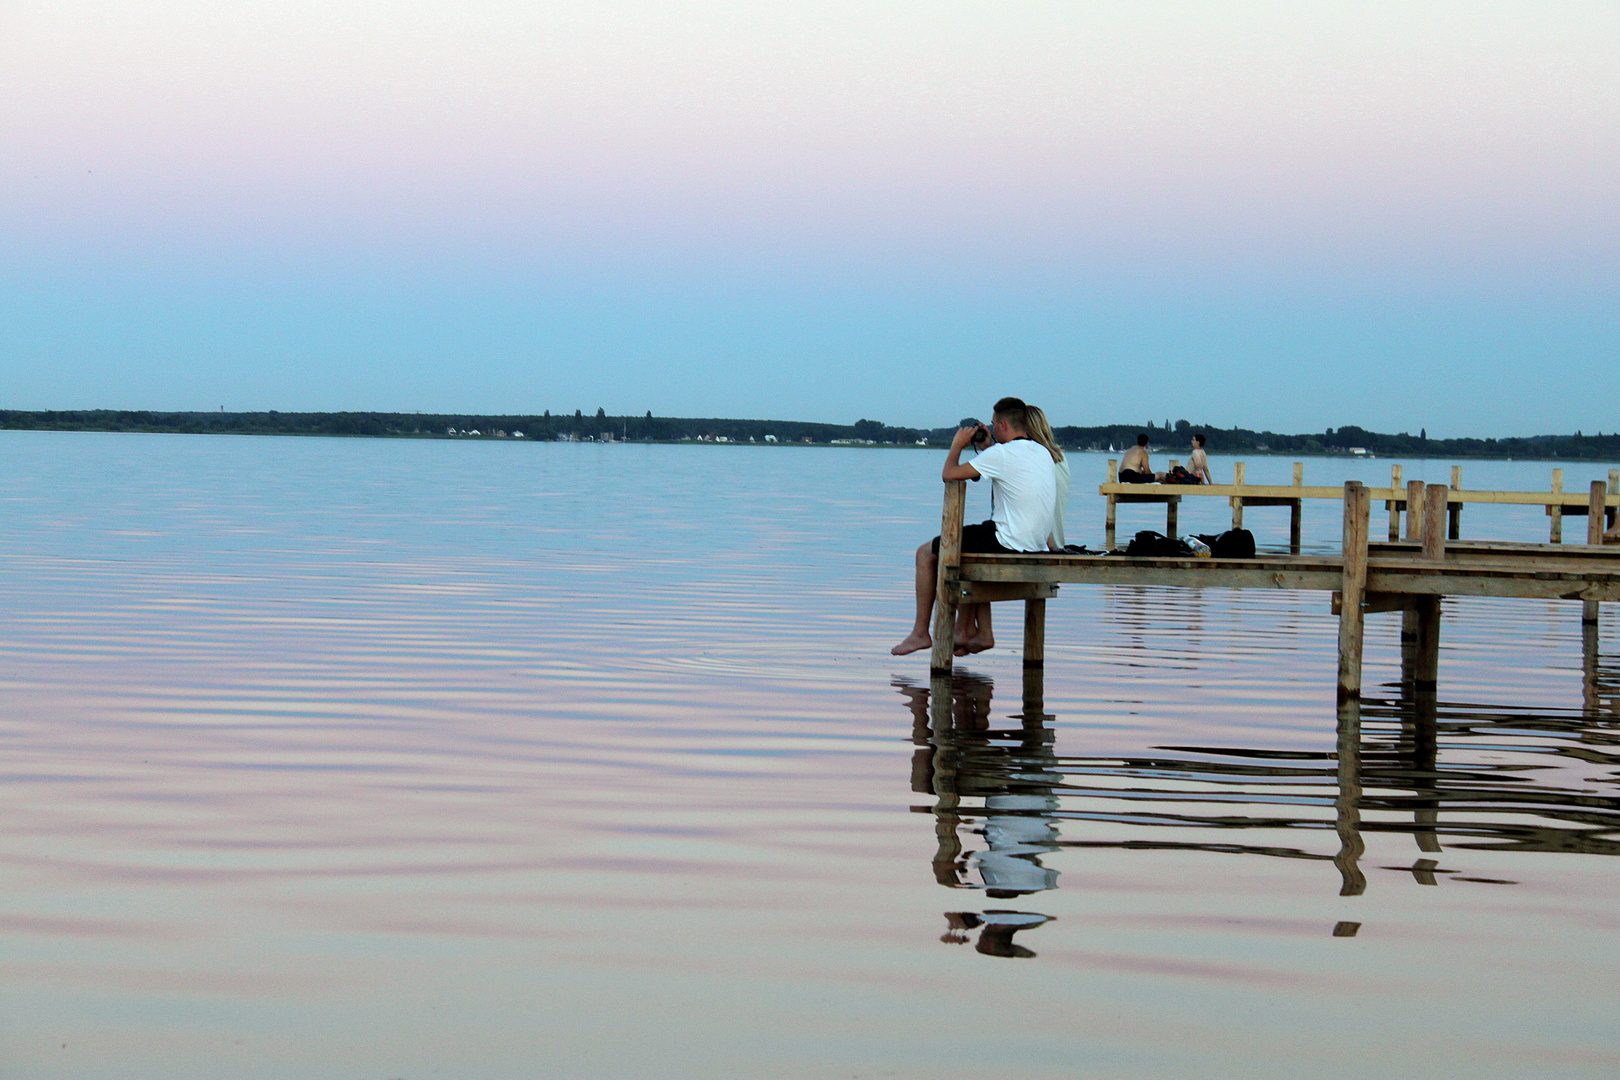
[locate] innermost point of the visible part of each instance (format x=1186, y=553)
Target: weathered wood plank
x=995, y=592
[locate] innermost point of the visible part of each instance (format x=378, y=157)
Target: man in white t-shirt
x=1023, y=497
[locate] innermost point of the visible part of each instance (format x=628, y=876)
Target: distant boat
x=1111, y=449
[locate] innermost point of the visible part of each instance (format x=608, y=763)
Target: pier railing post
x=1555, y=531
x=1414, y=510
x=1454, y=510
x=1237, y=500
x=1352, y=590
x=1296, y=510
x=950, y=562
x=1108, y=522
x=1435, y=497
x=1394, y=503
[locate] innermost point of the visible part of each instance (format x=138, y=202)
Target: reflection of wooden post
x=1414, y=509
x=1237, y=500
x=1454, y=511
x=1352, y=589
x=1034, y=633
x=1590, y=697
x=1347, y=807
x=1295, y=509
x=1555, y=531
x=950, y=562
x=1394, y=503
x=1108, y=522
x=948, y=800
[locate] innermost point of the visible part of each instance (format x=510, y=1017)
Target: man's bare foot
x=980, y=644
x=913, y=644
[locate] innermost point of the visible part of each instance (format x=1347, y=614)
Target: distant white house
x=770, y=438
x=449, y=431
x=517, y=434
x=1359, y=451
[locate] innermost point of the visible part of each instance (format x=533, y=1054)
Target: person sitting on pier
x=1040, y=429
x=1023, y=491
x=1198, y=462
x=1135, y=468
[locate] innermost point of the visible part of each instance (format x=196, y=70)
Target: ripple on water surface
x=342, y=757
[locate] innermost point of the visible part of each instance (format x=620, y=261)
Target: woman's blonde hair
x=1037, y=427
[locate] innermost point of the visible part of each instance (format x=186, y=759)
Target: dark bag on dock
x=1231, y=544
x=1156, y=544
x=1180, y=475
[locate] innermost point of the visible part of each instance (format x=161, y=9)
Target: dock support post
x=1414, y=510
x=950, y=563
x=1454, y=511
x=1594, y=535
x=1614, y=489
x=1394, y=504
x=1034, y=634
x=1296, y=510
x=1347, y=807
x=1237, y=500
x=1556, y=511
x=1108, y=522
x=1171, y=506
x=1352, y=590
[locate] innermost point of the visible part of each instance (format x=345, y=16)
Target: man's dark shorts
x=1131, y=476
x=980, y=539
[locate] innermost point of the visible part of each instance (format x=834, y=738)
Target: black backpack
x=1158, y=545
x=1231, y=544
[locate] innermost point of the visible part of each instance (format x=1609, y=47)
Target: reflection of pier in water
x=1450, y=775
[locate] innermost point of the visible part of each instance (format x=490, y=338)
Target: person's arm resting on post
x=954, y=468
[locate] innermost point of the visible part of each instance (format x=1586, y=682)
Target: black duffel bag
x=1231, y=544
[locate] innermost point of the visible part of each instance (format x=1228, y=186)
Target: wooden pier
x=1397, y=498
x=1409, y=575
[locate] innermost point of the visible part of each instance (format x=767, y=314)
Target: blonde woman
x=1040, y=429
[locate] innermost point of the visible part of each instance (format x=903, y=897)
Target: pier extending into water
x=1409, y=575
x=1397, y=498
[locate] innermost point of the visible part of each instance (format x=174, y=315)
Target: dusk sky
x=1285, y=215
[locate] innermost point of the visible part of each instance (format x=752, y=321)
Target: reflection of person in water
x=966, y=759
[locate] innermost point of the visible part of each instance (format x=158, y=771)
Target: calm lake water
x=379, y=759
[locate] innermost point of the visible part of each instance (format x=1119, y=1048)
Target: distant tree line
x=648, y=428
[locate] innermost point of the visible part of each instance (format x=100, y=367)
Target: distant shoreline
x=1346, y=442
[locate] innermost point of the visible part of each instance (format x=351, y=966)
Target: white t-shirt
x=1023, y=492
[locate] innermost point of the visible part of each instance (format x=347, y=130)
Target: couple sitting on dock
x=1029, y=487
x=1135, y=467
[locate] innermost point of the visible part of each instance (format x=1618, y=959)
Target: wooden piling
x=1352, y=589
x=1108, y=521
x=1434, y=521
x=1237, y=500
x=1556, y=512
x=1596, y=497
x=1296, y=510
x=1454, y=510
x=950, y=560
x=1614, y=489
x=1414, y=510
x=1394, y=504
x=1034, y=633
